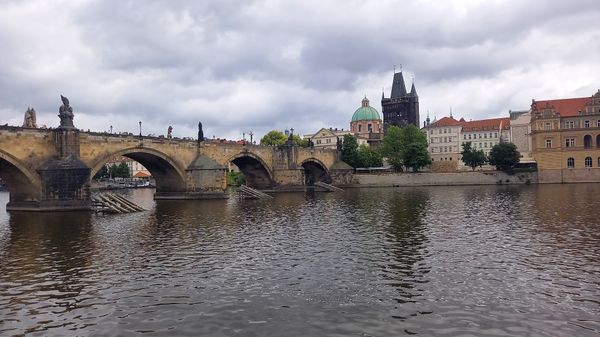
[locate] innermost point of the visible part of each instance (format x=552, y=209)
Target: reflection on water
x=438, y=261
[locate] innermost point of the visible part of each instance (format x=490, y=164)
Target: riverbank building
x=565, y=136
x=446, y=136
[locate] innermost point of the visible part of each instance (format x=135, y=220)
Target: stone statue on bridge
x=200, y=133
x=170, y=132
x=30, y=119
x=65, y=113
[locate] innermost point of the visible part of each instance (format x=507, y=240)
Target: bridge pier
x=65, y=178
x=205, y=179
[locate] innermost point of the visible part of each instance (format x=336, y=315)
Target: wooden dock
x=328, y=187
x=248, y=192
x=113, y=203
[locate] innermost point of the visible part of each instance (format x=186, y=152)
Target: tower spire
x=451, y=112
x=413, y=90
x=398, y=87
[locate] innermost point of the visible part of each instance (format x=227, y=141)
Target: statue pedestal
x=65, y=178
x=65, y=185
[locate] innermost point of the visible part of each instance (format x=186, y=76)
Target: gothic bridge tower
x=401, y=108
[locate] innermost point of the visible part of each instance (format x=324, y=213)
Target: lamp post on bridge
x=140, y=129
x=251, y=134
x=111, y=129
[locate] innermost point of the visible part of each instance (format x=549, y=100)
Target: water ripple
x=445, y=261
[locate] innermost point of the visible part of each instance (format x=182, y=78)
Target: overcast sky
x=241, y=66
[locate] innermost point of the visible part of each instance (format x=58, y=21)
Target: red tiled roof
x=446, y=121
x=141, y=174
x=487, y=124
x=565, y=107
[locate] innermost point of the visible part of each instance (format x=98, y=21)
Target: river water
x=437, y=261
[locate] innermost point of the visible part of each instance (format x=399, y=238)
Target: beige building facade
x=446, y=136
x=327, y=138
x=565, y=135
x=443, y=139
x=520, y=133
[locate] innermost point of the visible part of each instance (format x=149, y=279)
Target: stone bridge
x=50, y=169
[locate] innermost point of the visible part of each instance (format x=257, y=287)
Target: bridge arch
x=24, y=185
x=315, y=171
x=169, y=176
x=258, y=174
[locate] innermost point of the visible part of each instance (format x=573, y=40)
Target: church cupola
x=365, y=102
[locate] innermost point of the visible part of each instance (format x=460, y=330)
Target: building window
x=586, y=124
x=587, y=141
x=464, y=136
x=569, y=142
x=370, y=127
x=570, y=163
x=469, y=136
x=485, y=135
x=569, y=124
x=598, y=123
x=495, y=134
x=547, y=126
x=588, y=161
x=359, y=127
x=328, y=140
x=548, y=143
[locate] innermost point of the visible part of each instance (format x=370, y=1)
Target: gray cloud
x=273, y=65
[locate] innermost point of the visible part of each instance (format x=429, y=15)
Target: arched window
x=570, y=163
x=359, y=127
x=598, y=137
x=588, y=161
x=587, y=141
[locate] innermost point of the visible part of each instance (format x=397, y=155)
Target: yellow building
x=565, y=137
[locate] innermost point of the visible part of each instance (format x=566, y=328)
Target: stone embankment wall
x=443, y=179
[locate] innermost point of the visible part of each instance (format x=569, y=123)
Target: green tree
x=299, y=141
x=102, y=173
x=273, y=137
x=113, y=171
x=472, y=157
x=235, y=178
x=414, y=152
x=504, y=156
x=406, y=146
x=369, y=157
x=119, y=171
x=350, y=151
x=392, y=147
x=123, y=170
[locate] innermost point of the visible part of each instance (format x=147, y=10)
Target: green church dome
x=365, y=112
